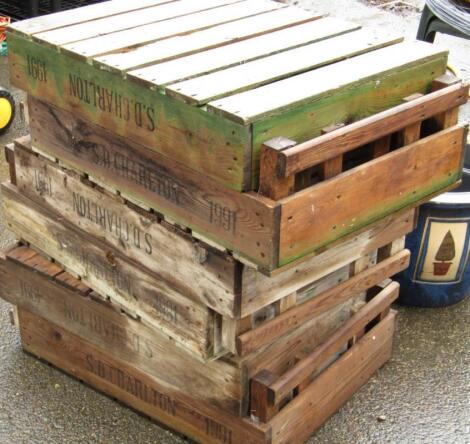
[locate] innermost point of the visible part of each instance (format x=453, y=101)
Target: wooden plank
x=239, y=221
x=9, y=157
x=304, y=122
x=175, y=257
x=241, y=52
x=251, y=75
x=291, y=319
x=259, y=290
x=106, y=326
x=188, y=135
x=164, y=308
x=282, y=386
x=127, y=23
x=279, y=356
x=334, y=386
x=84, y=14
x=260, y=410
x=210, y=38
x=313, y=86
x=108, y=372
x=378, y=126
x=420, y=169
x=270, y=185
x=179, y=26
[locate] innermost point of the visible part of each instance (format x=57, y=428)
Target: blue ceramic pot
x=438, y=274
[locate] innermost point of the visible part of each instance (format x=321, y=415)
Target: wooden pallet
x=64, y=323
x=312, y=195
x=209, y=303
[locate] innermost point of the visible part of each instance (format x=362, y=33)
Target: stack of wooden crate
x=178, y=249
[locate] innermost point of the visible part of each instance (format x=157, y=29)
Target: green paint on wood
x=376, y=213
x=348, y=105
x=202, y=141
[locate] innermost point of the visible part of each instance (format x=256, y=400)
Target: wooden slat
x=238, y=221
x=306, y=413
x=345, y=203
x=251, y=106
x=149, y=29
x=210, y=38
x=146, y=117
x=10, y=159
x=99, y=366
x=84, y=14
x=371, y=128
x=134, y=342
x=241, y=52
x=164, y=308
x=72, y=281
x=21, y=253
x=166, y=126
x=259, y=408
x=259, y=290
x=136, y=234
x=251, y=75
x=451, y=116
x=308, y=365
x=291, y=319
x=270, y=185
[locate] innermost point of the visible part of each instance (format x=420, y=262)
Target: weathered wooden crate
x=418, y=140
x=67, y=324
x=204, y=299
x=200, y=109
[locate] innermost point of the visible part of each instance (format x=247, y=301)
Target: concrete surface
x=421, y=396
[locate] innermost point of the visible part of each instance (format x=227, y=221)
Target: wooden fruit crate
x=202, y=93
x=66, y=324
x=313, y=194
x=209, y=303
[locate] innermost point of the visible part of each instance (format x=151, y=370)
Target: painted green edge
x=378, y=213
x=209, y=144
x=306, y=122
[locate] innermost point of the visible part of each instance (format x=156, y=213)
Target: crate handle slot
x=282, y=159
x=269, y=391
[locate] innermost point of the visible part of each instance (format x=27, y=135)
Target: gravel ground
x=421, y=396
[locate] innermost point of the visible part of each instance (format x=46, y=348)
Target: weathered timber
x=216, y=59
x=67, y=302
x=151, y=32
x=281, y=387
x=187, y=134
x=420, y=169
x=246, y=76
x=137, y=234
x=259, y=290
x=238, y=221
x=103, y=369
x=230, y=288
x=84, y=14
x=205, y=13
x=216, y=382
x=379, y=125
x=89, y=149
x=175, y=310
x=333, y=387
x=205, y=142
x=295, y=316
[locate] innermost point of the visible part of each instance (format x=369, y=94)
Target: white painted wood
x=210, y=38
x=213, y=86
x=241, y=52
x=250, y=106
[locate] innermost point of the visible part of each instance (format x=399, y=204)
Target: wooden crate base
x=301, y=417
